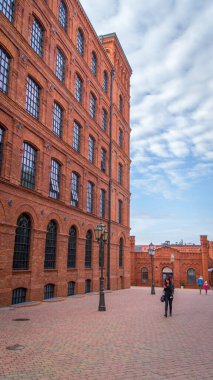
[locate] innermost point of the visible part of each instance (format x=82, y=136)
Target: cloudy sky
x=169, y=45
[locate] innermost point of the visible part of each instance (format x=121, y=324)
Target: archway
x=166, y=272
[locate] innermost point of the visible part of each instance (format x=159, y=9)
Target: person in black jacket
x=168, y=292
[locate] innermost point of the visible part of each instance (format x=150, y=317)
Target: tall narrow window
x=55, y=179
x=1, y=146
x=62, y=16
x=71, y=288
x=74, y=189
x=102, y=203
x=120, y=138
x=88, y=286
x=60, y=66
x=121, y=247
x=191, y=276
x=91, y=149
x=50, y=246
x=78, y=88
x=7, y=8
x=120, y=104
x=88, y=250
x=28, y=170
x=105, y=82
x=57, y=119
x=80, y=42
x=103, y=160
x=119, y=211
x=22, y=243
x=94, y=64
x=32, y=98
x=144, y=275
x=4, y=70
x=90, y=189
x=92, y=106
x=19, y=295
x=76, y=136
x=120, y=173
x=71, y=262
x=104, y=120
x=49, y=291
x=37, y=37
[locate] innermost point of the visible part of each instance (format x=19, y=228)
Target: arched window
x=92, y=110
x=71, y=288
x=55, y=175
x=37, y=37
x=104, y=119
x=94, y=64
x=191, y=276
x=121, y=249
x=105, y=82
x=1, y=146
x=72, y=248
x=50, y=247
x=57, y=119
x=62, y=16
x=4, y=70
x=49, y=291
x=78, y=88
x=19, y=295
x=88, y=250
x=22, y=242
x=76, y=143
x=87, y=286
x=33, y=98
x=80, y=42
x=28, y=170
x=7, y=8
x=60, y=66
x=144, y=275
x=75, y=189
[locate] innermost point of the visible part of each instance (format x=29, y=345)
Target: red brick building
x=64, y=152
x=185, y=263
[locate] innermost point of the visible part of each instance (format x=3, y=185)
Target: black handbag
x=162, y=298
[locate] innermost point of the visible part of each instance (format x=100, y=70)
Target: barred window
x=1, y=146
x=4, y=70
x=104, y=120
x=7, y=8
x=74, y=189
x=191, y=276
x=120, y=138
x=88, y=286
x=92, y=106
x=49, y=291
x=88, y=250
x=102, y=203
x=94, y=64
x=55, y=179
x=76, y=137
x=78, y=88
x=90, y=189
x=19, y=295
x=120, y=104
x=80, y=42
x=71, y=288
x=32, y=98
x=144, y=275
x=22, y=243
x=121, y=248
x=57, y=119
x=62, y=16
x=105, y=82
x=120, y=203
x=60, y=66
x=103, y=160
x=37, y=37
x=120, y=173
x=28, y=171
x=71, y=262
x=50, y=246
x=91, y=149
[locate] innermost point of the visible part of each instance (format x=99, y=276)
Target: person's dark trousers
x=168, y=302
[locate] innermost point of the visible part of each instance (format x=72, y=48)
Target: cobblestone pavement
x=71, y=340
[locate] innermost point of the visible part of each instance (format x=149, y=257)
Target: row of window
x=191, y=276
x=37, y=44
x=21, y=254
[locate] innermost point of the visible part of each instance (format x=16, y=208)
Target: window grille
x=32, y=98
x=144, y=274
x=22, y=243
x=88, y=250
x=76, y=136
x=102, y=203
x=49, y=291
x=37, y=37
x=191, y=276
x=71, y=288
x=4, y=70
x=92, y=106
x=94, y=64
x=60, y=66
x=120, y=138
x=119, y=211
x=80, y=42
x=1, y=146
x=74, y=189
x=50, y=246
x=55, y=179
x=78, y=88
x=87, y=286
x=104, y=120
x=19, y=295
x=90, y=187
x=105, y=82
x=103, y=160
x=57, y=119
x=62, y=17
x=7, y=8
x=72, y=248
x=121, y=252
x=91, y=149
x=120, y=173
x=28, y=171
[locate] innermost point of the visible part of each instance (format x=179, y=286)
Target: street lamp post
x=101, y=235
x=151, y=253
x=172, y=261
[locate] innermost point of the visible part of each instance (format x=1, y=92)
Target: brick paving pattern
x=71, y=340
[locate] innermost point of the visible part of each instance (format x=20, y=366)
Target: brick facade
x=20, y=126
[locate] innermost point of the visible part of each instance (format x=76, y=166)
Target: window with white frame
x=62, y=15
x=74, y=189
x=33, y=98
x=37, y=37
x=57, y=119
x=7, y=8
x=55, y=179
x=60, y=65
x=76, y=136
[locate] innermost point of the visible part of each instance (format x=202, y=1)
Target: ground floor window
x=49, y=291
x=19, y=295
x=87, y=286
x=144, y=275
x=71, y=288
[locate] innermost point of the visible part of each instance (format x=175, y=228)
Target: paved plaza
x=70, y=339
